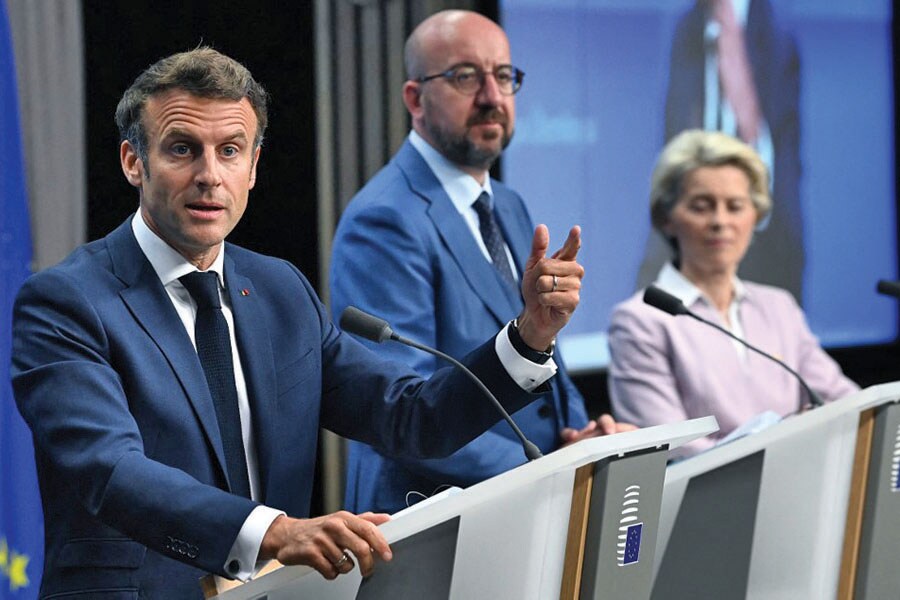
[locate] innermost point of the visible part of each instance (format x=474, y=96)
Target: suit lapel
x=479, y=274
x=150, y=305
x=257, y=361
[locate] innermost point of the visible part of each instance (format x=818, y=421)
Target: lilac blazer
x=666, y=369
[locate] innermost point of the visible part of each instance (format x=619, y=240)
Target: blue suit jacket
x=403, y=252
x=129, y=454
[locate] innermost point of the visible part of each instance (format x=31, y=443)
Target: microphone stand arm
x=531, y=451
x=814, y=399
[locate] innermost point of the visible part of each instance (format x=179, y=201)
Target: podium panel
x=795, y=547
x=624, y=518
x=700, y=544
x=506, y=537
x=878, y=575
x=429, y=576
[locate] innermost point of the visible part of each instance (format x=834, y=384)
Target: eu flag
x=632, y=544
x=21, y=522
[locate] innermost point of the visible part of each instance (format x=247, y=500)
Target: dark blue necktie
x=214, y=349
x=493, y=239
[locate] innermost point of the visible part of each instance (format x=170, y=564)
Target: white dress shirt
x=673, y=281
x=169, y=265
x=463, y=191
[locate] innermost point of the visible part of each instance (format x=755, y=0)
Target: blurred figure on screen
x=708, y=192
x=734, y=68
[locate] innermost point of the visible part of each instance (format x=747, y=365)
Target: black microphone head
x=888, y=288
x=664, y=301
x=365, y=325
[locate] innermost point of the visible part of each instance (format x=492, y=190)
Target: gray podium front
x=578, y=523
x=806, y=509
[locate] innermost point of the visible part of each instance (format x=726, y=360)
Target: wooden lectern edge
x=213, y=585
x=573, y=559
x=856, y=505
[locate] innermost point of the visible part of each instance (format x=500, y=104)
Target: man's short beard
x=461, y=150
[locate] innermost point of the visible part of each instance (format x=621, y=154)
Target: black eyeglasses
x=468, y=79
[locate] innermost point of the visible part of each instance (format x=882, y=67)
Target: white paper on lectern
x=752, y=426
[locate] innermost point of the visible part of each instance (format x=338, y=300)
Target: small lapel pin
x=245, y=292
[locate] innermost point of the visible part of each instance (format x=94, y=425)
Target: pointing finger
x=573, y=243
x=539, y=245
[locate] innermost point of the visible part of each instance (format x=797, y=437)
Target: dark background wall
x=274, y=40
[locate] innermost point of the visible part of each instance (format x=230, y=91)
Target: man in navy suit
x=153, y=471
x=411, y=248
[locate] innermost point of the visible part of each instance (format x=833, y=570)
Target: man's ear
x=412, y=98
x=253, y=166
x=132, y=165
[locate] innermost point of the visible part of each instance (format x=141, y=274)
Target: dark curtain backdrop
x=274, y=40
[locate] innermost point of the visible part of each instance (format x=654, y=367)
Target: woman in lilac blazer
x=708, y=193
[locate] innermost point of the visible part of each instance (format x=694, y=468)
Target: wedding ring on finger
x=344, y=559
x=555, y=284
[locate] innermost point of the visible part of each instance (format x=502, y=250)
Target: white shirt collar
x=459, y=185
x=169, y=264
x=673, y=281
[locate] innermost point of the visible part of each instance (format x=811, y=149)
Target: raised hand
x=551, y=288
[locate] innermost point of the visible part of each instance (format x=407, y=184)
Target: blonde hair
x=695, y=148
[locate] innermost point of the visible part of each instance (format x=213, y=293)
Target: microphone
x=666, y=302
x=377, y=330
x=888, y=288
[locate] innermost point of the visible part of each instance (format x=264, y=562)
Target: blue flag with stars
x=21, y=520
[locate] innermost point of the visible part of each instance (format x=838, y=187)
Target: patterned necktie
x=214, y=349
x=493, y=239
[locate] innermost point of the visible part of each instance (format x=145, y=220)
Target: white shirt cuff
x=242, y=561
x=527, y=374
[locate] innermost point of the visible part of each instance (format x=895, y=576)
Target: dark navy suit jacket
x=402, y=251
x=129, y=454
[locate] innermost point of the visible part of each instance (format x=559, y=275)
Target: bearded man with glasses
x=438, y=248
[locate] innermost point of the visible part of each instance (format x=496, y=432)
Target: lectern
x=808, y=508
x=578, y=523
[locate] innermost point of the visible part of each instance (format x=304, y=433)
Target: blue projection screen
x=591, y=118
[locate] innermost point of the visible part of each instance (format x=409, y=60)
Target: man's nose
x=489, y=93
x=208, y=170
